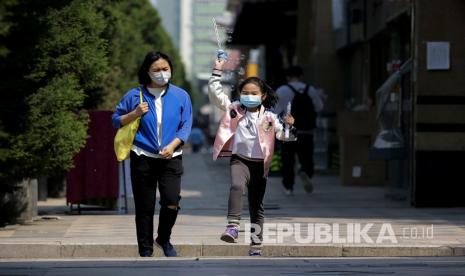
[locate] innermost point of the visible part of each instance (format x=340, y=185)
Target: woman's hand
x=141, y=109
x=288, y=119
x=167, y=152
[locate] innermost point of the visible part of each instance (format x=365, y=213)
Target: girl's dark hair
x=271, y=97
x=150, y=58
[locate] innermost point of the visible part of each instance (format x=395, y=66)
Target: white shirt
x=285, y=95
x=246, y=142
x=157, y=93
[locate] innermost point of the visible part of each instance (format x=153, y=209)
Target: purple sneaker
x=230, y=234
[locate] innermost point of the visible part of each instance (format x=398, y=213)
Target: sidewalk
x=335, y=210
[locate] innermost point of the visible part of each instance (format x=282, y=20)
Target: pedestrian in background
x=305, y=104
x=156, y=156
x=247, y=133
x=196, y=139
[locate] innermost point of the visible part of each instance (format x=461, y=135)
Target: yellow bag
x=125, y=136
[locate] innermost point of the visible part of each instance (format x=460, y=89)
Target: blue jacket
x=176, y=117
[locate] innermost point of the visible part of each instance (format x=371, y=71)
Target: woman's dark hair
x=271, y=98
x=150, y=58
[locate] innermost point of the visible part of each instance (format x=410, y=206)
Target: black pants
x=146, y=173
x=303, y=147
x=246, y=173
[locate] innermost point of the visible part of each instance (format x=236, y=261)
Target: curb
x=57, y=250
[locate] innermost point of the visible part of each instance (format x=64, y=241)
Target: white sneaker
x=288, y=192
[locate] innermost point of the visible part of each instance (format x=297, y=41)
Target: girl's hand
x=219, y=63
x=141, y=109
x=288, y=119
x=221, y=58
x=221, y=54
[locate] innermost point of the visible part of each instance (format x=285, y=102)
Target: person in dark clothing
x=305, y=103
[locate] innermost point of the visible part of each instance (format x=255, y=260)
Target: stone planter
x=18, y=202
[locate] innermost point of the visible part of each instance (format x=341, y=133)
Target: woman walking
x=156, y=155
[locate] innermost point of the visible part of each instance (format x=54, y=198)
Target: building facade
x=393, y=73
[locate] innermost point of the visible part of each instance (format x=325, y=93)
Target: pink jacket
x=268, y=128
x=225, y=134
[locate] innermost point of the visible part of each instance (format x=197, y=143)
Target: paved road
x=244, y=266
x=202, y=220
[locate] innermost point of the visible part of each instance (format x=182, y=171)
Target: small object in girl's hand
x=221, y=54
x=233, y=114
x=267, y=126
x=286, y=128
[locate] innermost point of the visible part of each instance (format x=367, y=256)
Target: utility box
x=356, y=135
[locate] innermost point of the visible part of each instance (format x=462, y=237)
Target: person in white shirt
x=305, y=104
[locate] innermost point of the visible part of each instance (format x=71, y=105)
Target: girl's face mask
x=251, y=100
x=251, y=95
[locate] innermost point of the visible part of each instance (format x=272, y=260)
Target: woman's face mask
x=251, y=100
x=161, y=77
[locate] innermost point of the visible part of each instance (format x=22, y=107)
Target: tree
x=133, y=29
x=5, y=25
x=60, y=58
x=46, y=81
x=57, y=129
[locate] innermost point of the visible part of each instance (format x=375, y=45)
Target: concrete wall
x=437, y=20
x=439, y=110
x=379, y=12
x=316, y=50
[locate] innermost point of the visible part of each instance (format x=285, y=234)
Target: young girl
x=246, y=133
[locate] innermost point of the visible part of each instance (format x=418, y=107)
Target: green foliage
x=5, y=152
x=72, y=45
x=60, y=58
x=133, y=29
x=5, y=25
x=125, y=49
x=57, y=128
x=45, y=82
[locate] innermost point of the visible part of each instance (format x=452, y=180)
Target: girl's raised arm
x=215, y=89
